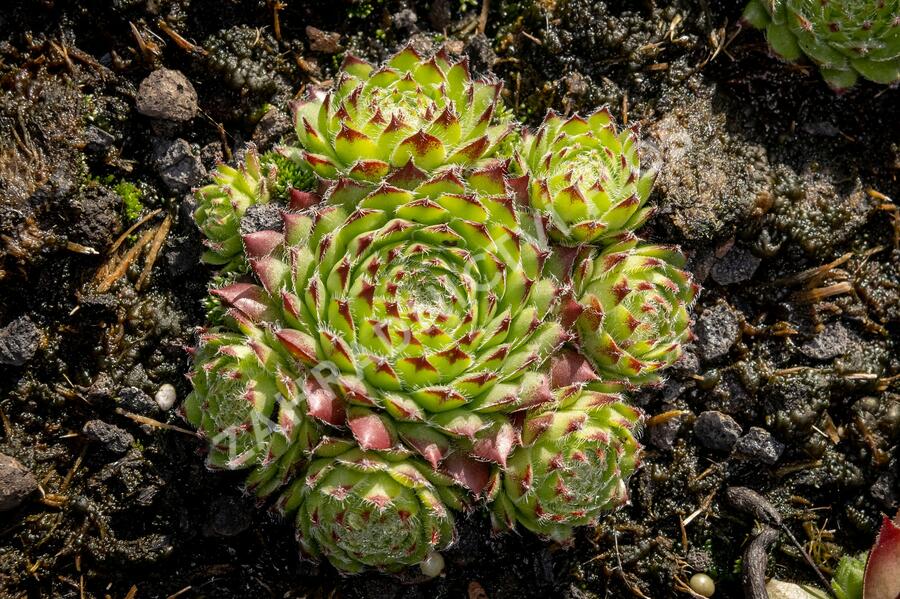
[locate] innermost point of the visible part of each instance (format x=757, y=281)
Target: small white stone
x=432, y=565
x=165, y=397
x=703, y=585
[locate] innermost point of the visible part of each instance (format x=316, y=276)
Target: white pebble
x=703, y=585
x=165, y=397
x=433, y=564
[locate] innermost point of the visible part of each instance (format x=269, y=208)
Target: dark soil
x=767, y=174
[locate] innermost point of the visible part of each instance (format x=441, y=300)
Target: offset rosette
x=376, y=119
x=247, y=404
x=631, y=308
x=576, y=456
x=426, y=304
x=222, y=204
x=386, y=510
x=845, y=38
x=583, y=176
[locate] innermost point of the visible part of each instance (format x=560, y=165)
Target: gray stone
x=135, y=400
x=481, y=53
x=715, y=430
x=737, y=266
x=114, y=439
x=663, y=435
x=831, y=342
x=405, y=20
x=19, y=341
x=262, y=217
x=17, y=483
x=758, y=444
x=167, y=94
x=177, y=164
x=717, y=331
x=273, y=125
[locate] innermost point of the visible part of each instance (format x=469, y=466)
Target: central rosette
x=412, y=300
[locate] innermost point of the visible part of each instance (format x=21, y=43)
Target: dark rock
x=97, y=140
x=273, y=125
x=758, y=444
x=167, y=94
x=116, y=440
x=183, y=256
x=737, y=266
x=101, y=390
x=831, y=342
x=326, y=42
x=17, y=483
x=699, y=560
x=663, y=435
x=212, y=154
x=95, y=217
x=135, y=400
x=262, y=217
x=177, y=164
x=19, y=341
x=716, y=430
x=228, y=516
x=405, y=21
x=439, y=14
x=481, y=53
x=886, y=490
x=717, y=330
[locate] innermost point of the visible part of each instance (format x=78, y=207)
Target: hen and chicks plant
x=846, y=39
x=452, y=316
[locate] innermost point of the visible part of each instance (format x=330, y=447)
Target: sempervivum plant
x=576, y=456
x=221, y=204
x=428, y=111
x=428, y=304
x=247, y=404
x=382, y=361
x=583, y=176
x=631, y=308
x=382, y=509
x=845, y=38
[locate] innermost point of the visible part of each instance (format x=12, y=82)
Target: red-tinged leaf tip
x=300, y=200
x=299, y=345
x=497, y=447
x=569, y=311
x=262, y=243
x=323, y=404
x=251, y=300
x=468, y=472
x=882, y=577
x=570, y=368
x=371, y=432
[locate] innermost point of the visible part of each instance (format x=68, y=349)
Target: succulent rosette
x=575, y=459
x=583, y=177
x=845, y=38
x=427, y=304
x=222, y=203
x=377, y=119
x=381, y=509
x=247, y=404
x=630, y=308
x=382, y=357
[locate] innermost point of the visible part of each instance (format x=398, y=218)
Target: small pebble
x=432, y=565
x=717, y=331
x=165, y=397
x=758, y=444
x=703, y=585
x=167, y=94
x=17, y=483
x=716, y=430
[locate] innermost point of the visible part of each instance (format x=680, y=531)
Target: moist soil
x=778, y=190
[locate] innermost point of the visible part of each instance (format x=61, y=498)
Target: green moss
x=131, y=196
x=289, y=174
